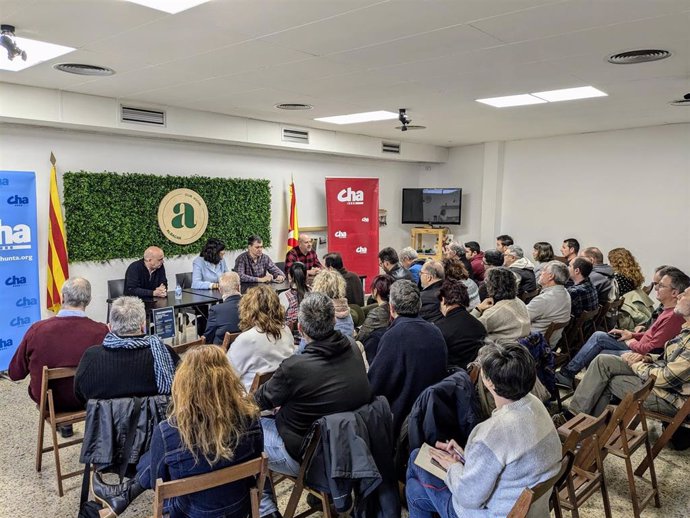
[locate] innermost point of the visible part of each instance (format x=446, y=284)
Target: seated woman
x=378, y=317
x=627, y=273
x=516, y=448
x=503, y=314
x=292, y=298
x=455, y=269
x=212, y=424
x=209, y=266
x=266, y=340
x=332, y=284
x=542, y=253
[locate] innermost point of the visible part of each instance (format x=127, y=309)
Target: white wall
x=27, y=148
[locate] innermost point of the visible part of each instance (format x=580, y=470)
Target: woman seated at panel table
x=209, y=266
x=212, y=424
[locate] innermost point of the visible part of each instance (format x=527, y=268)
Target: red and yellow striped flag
x=57, y=244
x=293, y=228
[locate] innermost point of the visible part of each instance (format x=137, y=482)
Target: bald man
x=304, y=254
x=145, y=278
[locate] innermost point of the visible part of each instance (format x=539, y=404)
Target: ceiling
x=433, y=57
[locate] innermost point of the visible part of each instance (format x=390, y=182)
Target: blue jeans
x=279, y=460
x=598, y=343
x=427, y=494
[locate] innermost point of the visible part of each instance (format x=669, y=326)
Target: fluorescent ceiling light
x=569, y=94
x=354, y=118
x=169, y=6
x=36, y=52
x=511, y=100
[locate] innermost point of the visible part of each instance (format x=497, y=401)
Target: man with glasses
x=620, y=341
x=146, y=278
x=431, y=277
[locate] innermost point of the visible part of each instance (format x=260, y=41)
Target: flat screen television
x=436, y=206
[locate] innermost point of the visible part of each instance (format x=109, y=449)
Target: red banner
x=353, y=223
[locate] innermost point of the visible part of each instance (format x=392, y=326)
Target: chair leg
x=254, y=496
x=633, y=490
x=56, y=452
x=652, y=473
x=39, y=444
x=293, y=500
x=326, y=505
x=605, y=496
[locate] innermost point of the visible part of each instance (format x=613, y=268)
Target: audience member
x=659, y=272
x=389, y=262
x=146, y=278
x=553, y=302
x=328, y=377
x=583, y=295
x=475, y=256
x=354, y=292
x=514, y=259
x=627, y=272
x=332, y=284
x=455, y=269
x=502, y=242
x=411, y=354
x=570, y=249
x=456, y=250
x=410, y=260
x=224, y=317
x=211, y=425
x=492, y=259
x=130, y=363
x=304, y=254
x=255, y=266
x=542, y=253
x=602, y=274
x=379, y=316
x=517, y=447
x=503, y=314
x=668, y=325
x=431, y=277
x=209, y=266
x=463, y=333
x=291, y=299
x=265, y=340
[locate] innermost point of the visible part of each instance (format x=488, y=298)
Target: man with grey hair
x=514, y=259
x=129, y=363
x=327, y=378
x=553, y=302
x=224, y=317
x=410, y=260
x=411, y=355
x=431, y=278
x=59, y=341
x=456, y=249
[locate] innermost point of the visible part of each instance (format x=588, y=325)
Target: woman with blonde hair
x=212, y=424
x=332, y=284
x=266, y=340
x=626, y=271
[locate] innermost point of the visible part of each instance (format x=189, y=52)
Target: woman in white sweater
x=266, y=341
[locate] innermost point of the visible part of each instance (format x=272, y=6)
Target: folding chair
x=578, y=332
x=184, y=280
x=253, y=468
x=116, y=288
x=228, y=339
x=48, y=414
x=180, y=349
x=529, y=295
x=259, y=379
x=562, y=356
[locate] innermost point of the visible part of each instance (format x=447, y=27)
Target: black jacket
x=353, y=287
x=528, y=281
x=431, y=306
x=223, y=318
x=140, y=283
x=399, y=272
x=463, y=334
x=328, y=377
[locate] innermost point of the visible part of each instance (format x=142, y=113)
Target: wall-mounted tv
x=437, y=206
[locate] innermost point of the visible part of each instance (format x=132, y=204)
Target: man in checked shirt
x=255, y=266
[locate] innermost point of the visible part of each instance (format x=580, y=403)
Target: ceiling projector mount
x=7, y=40
x=406, y=121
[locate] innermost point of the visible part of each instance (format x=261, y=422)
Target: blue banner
x=19, y=303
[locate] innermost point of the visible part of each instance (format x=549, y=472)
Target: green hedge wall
x=110, y=215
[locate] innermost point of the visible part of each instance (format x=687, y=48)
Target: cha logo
x=15, y=281
x=351, y=197
x=182, y=216
x=365, y=220
x=4, y=181
x=26, y=302
x=16, y=237
x=17, y=200
x=341, y=234
x=361, y=250
x=4, y=343
x=20, y=321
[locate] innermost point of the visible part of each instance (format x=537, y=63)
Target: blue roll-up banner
x=19, y=299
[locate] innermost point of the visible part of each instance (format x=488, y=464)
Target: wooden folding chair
x=578, y=333
x=259, y=379
x=183, y=348
x=228, y=339
x=562, y=355
x=47, y=414
x=529, y=295
x=253, y=468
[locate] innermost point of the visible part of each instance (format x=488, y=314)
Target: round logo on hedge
x=182, y=216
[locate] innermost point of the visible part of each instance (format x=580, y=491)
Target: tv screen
x=440, y=206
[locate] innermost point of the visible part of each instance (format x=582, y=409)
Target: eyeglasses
x=658, y=286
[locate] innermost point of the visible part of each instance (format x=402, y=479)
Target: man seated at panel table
x=59, y=341
x=255, y=266
x=303, y=253
x=146, y=278
x=224, y=317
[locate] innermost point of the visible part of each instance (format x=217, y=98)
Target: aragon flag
x=57, y=244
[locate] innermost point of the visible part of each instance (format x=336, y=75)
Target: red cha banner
x=353, y=223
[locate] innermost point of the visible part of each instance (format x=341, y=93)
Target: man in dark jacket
x=602, y=274
x=431, y=276
x=145, y=278
x=388, y=260
x=514, y=258
x=328, y=377
x=354, y=292
x=411, y=355
x=224, y=317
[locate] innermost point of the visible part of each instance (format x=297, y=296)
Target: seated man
x=224, y=317
x=668, y=325
x=255, y=266
x=553, y=302
x=475, y=256
x=304, y=254
x=617, y=376
x=59, y=341
x=354, y=292
x=515, y=260
x=503, y=242
x=411, y=355
x=492, y=259
x=410, y=260
x=145, y=278
x=602, y=274
x=583, y=295
x=570, y=249
x=130, y=363
x=389, y=262
x=328, y=377
x=431, y=277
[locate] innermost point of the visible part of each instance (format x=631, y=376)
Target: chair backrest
x=553, y=327
x=281, y=266
x=116, y=288
x=259, y=379
x=228, y=339
x=587, y=316
x=184, y=280
x=473, y=369
x=46, y=396
x=529, y=295
x=630, y=410
x=183, y=348
x=253, y=468
x=585, y=440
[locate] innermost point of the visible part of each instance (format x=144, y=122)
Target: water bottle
x=178, y=291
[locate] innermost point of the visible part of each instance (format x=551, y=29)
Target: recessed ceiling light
x=354, y=118
x=294, y=106
x=569, y=94
x=36, y=52
x=511, y=100
x=169, y=6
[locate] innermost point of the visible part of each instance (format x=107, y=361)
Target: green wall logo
x=182, y=216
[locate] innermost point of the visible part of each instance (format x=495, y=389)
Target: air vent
x=390, y=147
x=294, y=106
x=633, y=57
x=685, y=101
x=295, y=135
x=141, y=116
x=81, y=69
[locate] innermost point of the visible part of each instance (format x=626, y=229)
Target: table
x=278, y=287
